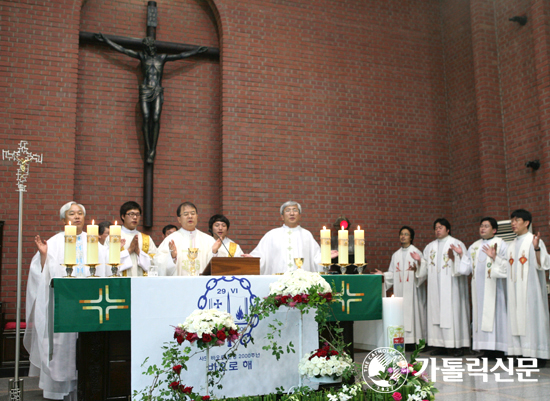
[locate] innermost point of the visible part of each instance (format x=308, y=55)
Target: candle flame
x=115, y=223
x=70, y=223
x=342, y=228
x=392, y=295
x=358, y=227
x=324, y=228
x=93, y=222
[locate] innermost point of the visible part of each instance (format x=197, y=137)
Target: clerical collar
x=127, y=231
x=287, y=227
x=488, y=239
x=188, y=232
x=443, y=239
x=403, y=248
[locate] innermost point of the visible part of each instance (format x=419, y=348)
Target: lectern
x=232, y=267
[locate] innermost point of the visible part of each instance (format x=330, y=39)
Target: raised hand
x=415, y=256
x=536, y=240
x=217, y=245
x=173, y=249
x=41, y=245
x=490, y=251
x=134, y=245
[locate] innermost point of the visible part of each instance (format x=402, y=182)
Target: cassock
x=278, y=248
x=184, y=240
x=412, y=288
x=528, y=322
x=489, y=320
x=134, y=265
x=448, y=300
x=55, y=366
x=232, y=247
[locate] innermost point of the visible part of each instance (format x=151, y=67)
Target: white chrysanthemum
x=203, y=321
x=334, y=366
x=297, y=282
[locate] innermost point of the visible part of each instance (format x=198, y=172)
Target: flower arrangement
x=300, y=287
x=324, y=361
x=208, y=327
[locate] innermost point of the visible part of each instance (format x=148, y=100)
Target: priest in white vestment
x=218, y=226
x=528, y=320
x=139, y=248
x=486, y=260
x=279, y=248
x=404, y=275
x=173, y=253
x=448, y=300
x=55, y=367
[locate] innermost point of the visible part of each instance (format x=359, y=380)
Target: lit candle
x=359, y=236
x=114, y=244
x=392, y=316
x=70, y=245
x=325, y=246
x=343, y=246
x=92, y=231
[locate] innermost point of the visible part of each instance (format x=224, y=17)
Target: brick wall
x=391, y=113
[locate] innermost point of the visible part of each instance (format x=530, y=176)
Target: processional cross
x=150, y=90
x=23, y=158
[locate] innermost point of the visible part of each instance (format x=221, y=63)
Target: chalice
x=192, y=254
x=299, y=262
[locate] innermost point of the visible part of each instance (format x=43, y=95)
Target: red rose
x=187, y=390
x=221, y=335
x=177, y=369
x=205, y=398
x=397, y=396
x=297, y=298
x=189, y=337
x=206, y=338
x=179, y=339
x=233, y=332
x=174, y=385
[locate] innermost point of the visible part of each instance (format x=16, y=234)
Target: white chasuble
x=409, y=285
x=135, y=264
x=184, y=240
x=53, y=359
x=448, y=300
x=527, y=299
x=280, y=246
x=489, y=315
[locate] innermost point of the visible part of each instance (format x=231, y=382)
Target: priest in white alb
x=175, y=256
x=280, y=247
x=218, y=226
x=528, y=319
x=448, y=317
x=56, y=366
x=137, y=252
x=486, y=260
x=404, y=276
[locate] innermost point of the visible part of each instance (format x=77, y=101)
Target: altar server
x=448, y=300
x=487, y=262
x=218, y=226
x=173, y=253
x=528, y=319
x=280, y=246
x=404, y=275
x=135, y=258
x=55, y=366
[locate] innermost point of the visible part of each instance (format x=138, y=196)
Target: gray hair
x=290, y=203
x=65, y=208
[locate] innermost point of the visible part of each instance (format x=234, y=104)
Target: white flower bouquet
x=324, y=362
x=207, y=327
x=300, y=287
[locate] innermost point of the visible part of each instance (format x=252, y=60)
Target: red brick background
x=391, y=113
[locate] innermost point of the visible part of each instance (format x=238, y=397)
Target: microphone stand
x=216, y=235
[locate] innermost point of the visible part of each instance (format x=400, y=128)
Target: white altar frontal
x=160, y=303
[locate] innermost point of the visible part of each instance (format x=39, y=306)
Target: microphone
x=216, y=235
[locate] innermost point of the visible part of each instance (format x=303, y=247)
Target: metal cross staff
x=23, y=158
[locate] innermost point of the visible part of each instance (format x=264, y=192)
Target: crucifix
x=151, y=95
x=23, y=158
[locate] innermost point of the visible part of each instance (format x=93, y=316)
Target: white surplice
x=489, y=312
x=222, y=252
x=280, y=246
x=134, y=265
x=55, y=366
x=528, y=320
x=184, y=240
x=411, y=287
x=448, y=300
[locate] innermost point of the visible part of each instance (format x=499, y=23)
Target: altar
x=150, y=306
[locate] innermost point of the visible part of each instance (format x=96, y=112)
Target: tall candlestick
x=92, y=249
x=114, y=244
x=70, y=245
x=359, y=236
x=343, y=249
x=325, y=246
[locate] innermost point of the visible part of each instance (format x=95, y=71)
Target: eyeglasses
x=293, y=210
x=187, y=214
x=132, y=214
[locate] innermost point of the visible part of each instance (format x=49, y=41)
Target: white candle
x=114, y=244
x=325, y=246
x=92, y=250
x=392, y=316
x=70, y=245
x=359, y=236
x=343, y=247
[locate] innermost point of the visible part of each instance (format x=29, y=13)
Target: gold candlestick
x=114, y=269
x=360, y=267
x=92, y=267
x=69, y=270
x=343, y=267
x=326, y=267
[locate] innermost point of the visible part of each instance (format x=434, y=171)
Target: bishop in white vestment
x=528, y=318
x=486, y=260
x=279, y=248
x=404, y=275
x=173, y=256
x=448, y=300
x=55, y=367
